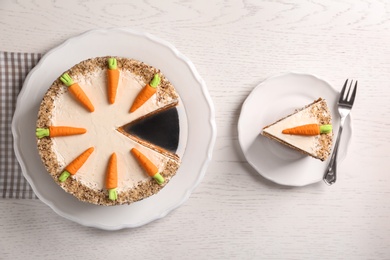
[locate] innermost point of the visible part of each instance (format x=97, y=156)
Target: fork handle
x=331, y=170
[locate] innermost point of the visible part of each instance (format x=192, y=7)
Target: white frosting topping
x=305, y=143
x=101, y=128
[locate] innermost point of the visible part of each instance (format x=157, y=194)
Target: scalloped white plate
x=271, y=100
x=192, y=90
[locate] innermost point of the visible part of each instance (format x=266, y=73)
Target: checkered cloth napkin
x=14, y=68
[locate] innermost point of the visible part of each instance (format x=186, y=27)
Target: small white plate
x=271, y=100
x=151, y=50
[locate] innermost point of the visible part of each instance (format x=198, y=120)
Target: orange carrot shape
x=53, y=131
x=77, y=92
x=112, y=177
x=146, y=92
x=75, y=165
x=308, y=129
x=112, y=79
x=148, y=166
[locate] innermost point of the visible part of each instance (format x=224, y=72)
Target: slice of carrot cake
x=307, y=130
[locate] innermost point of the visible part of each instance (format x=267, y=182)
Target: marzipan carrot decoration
x=77, y=92
x=308, y=129
x=146, y=93
x=53, y=131
x=112, y=178
x=148, y=166
x=112, y=79
x=75, y=165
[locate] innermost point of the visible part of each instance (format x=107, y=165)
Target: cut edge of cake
x=139, y=140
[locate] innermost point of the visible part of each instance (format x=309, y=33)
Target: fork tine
x=353, y=94
x=343, y=91
x=349, y=90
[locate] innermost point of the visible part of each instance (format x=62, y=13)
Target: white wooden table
x=234, y=213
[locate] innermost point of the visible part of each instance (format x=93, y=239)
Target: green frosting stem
x=155, y=81
x=325, y=129
x=112, y=194
x=64, y=175
x=66, y=79
x=112, y=64
x=159, y=178
x=42, y=132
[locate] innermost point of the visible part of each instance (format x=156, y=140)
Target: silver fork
x=344, y=106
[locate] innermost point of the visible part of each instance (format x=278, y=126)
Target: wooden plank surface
x=234, y=213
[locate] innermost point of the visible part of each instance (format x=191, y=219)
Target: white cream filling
x=305, y=143
x=101, y=128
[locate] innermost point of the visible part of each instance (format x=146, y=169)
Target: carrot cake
x=99, y=130
x=307, y=130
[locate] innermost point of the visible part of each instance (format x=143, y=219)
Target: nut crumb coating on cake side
x=322, y=113
x=165, y=93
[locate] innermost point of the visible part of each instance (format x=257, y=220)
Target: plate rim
x=204, y=91
x=247, y=99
